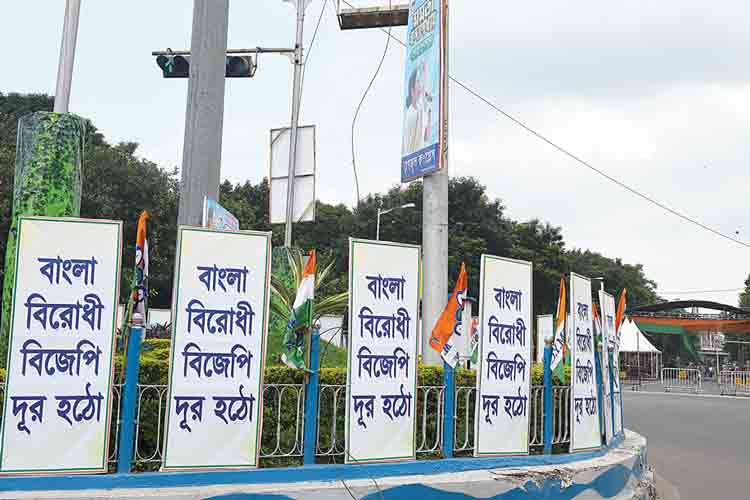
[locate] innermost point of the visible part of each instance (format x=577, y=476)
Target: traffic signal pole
x=204, y=117
x=67, y=55
x=300, y=5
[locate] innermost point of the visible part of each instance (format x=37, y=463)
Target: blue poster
x=422, y=140
x=217, y=217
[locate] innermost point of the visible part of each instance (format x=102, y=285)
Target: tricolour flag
x=300, y=318
x=597, y=323
x=448, y=326
x=140, y=277
x=560, y=342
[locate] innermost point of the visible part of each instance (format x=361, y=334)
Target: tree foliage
x=118, y=184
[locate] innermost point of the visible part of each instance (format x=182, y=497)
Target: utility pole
x=300, y=5
x=435, y=233
x=201, y=153
x=67, y=55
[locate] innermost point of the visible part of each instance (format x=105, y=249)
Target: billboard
x=304, y=175
x=58, y=398
x=504, y=374
x=425, y=90
x=217, y=217
x=584, y=413
x=219, y=324
x=382, y=367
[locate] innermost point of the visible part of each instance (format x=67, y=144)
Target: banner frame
x=477, y=403
x=264, y=340
x=118, y=266
x=572, y=372
x=413, y=456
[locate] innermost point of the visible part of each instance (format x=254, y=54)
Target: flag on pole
x=300, y=318
x=140, y=275
x=560, y=355
x=620, y=315
x=448, y=326
x=138, y=299
x=597, y=323
x=474, y=339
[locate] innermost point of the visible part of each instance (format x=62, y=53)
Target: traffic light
x=179, y=66
x=240, y=67
x=174, y=66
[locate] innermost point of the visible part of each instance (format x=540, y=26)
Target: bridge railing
x=735, y=382
x=682, y=379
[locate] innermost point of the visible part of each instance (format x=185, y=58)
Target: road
x=700, y=444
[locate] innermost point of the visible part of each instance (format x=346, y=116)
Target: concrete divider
x=620, y=472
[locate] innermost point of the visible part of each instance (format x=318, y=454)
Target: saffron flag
x=300, y=318
x=448, y=326
x=560, y=354
x=620, y=315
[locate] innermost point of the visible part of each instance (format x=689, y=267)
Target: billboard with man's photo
x=424, y=101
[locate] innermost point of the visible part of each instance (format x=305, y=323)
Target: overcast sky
x=656, y=94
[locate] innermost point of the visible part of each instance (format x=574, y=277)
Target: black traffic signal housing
x=174, y=66
x=179, y=66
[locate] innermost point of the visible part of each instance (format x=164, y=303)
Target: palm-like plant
x=284, y=291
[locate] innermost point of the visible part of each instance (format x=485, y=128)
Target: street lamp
x=383, y=212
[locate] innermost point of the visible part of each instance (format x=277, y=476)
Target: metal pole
x=126, y=446
x=204, y=117
x=449, y=409
x=548, y=406
x=435, y=234
x=309, y=440
x=377, y=230
x=67, y=55
x=296, y=93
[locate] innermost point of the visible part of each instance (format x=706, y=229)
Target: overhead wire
x=575, y=157
x=309, y=51
x=362, y=100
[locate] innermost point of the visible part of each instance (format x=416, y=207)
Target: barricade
x=682, y=379
x=734, y=383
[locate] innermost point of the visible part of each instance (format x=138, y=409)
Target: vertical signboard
x=544, y=330
x=219, y=324
x=616, y=387
x=59, y=373
x=504, y=376
x=584, y=412
x=382, y=365
x=607, y=303
x=424, y=90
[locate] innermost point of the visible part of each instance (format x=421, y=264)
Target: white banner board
x=504, y=375
x=382, y=365
x=219, y=324
x=545, y=329
x=607, y=303
x=616, y=388
x=584, y=412
x=59, y=376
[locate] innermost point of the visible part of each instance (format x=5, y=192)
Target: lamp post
x=383, y=212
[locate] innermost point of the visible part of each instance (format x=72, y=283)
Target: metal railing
x=463, y=440
x=735, y=382
x=681, y=379
x=283, y=417
x=430, y=414
x=560, y=414
x=282, y=431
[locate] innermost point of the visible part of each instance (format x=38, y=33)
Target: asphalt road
x=700, y=444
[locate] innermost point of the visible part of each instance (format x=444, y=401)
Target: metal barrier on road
x=734, y=383
x=681, y=379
